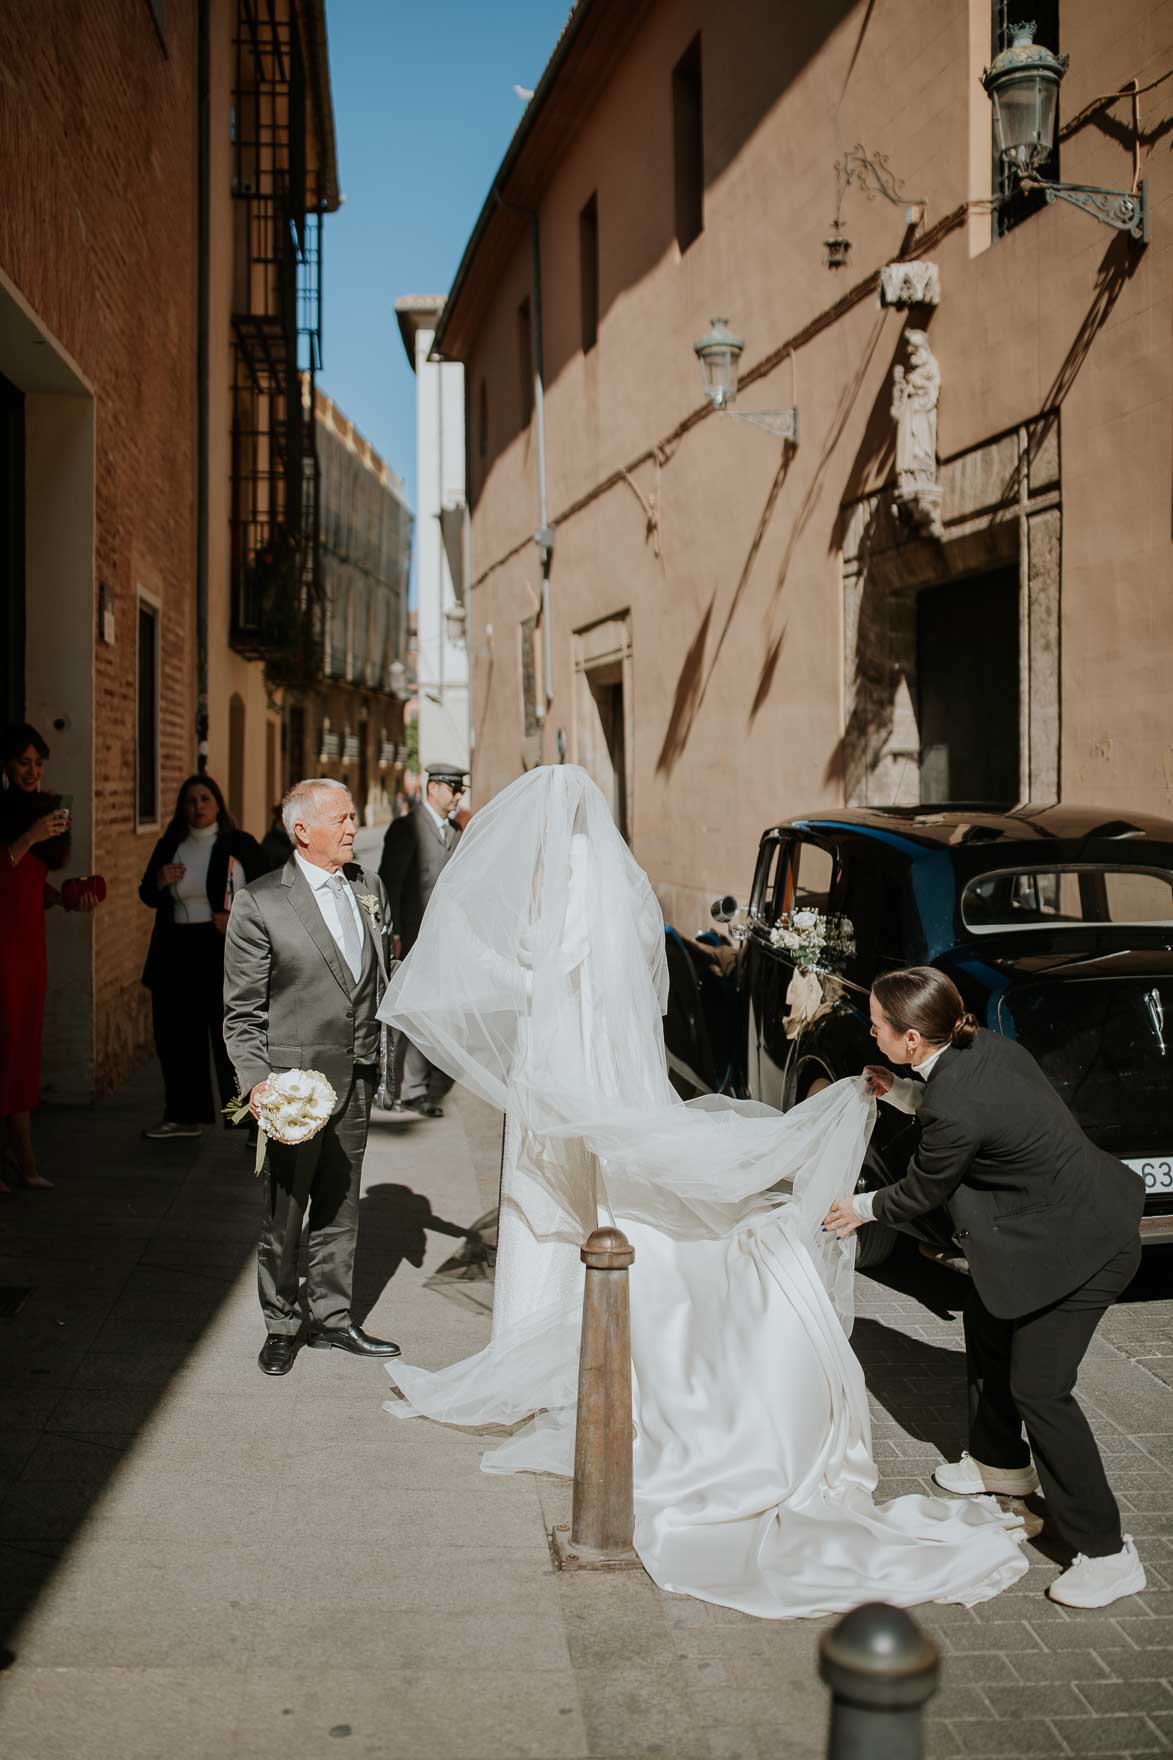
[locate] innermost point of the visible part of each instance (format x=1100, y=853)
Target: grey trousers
x=319, y=1179
x=418, y=1079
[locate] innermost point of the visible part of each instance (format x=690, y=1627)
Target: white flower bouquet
x=818, y=944
x=291, y=1108
x=815, y=941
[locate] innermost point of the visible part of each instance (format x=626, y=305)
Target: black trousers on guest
x=1023, y=1372
x=188, y=1014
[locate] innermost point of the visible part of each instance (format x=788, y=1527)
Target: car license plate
x=1155, y=1170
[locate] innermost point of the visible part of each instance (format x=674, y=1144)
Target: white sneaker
x=970, y=1478
x=1094, y=1582
x=167, y=1127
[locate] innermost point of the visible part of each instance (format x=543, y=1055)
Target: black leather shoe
x=351, y=1338
x=277, y=1353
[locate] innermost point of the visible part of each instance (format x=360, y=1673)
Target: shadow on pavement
x=394, y=1223
x=129, y=1261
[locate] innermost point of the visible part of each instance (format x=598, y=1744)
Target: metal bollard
x=599, y=1536
x=881, y=1670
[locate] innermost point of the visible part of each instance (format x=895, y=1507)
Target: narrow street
x=199, y=1561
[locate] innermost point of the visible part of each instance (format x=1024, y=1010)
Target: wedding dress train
x=539, y=980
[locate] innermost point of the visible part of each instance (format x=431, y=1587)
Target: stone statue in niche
x=915, y=393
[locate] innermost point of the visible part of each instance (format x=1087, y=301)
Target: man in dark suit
x=1048, y=1224
x=416, y=850
x=305, y=967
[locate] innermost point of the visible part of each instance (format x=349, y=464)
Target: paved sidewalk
x=197, y=1561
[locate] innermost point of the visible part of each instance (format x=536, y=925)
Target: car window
x=765, y=880
x=815, y=870
x=1070, y=897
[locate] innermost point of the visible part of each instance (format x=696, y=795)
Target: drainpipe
x=544, y=536
x=203, y=257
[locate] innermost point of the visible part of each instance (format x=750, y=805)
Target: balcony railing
x=276, y=334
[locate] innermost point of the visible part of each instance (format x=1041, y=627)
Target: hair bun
x=964, y=1029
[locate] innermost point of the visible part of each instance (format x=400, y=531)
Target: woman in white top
x=196, y=866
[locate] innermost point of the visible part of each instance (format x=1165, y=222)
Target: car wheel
x=877, y=1242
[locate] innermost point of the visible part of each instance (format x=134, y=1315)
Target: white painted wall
x=443, y=663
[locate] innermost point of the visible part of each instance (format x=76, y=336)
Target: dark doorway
x=12, y=493
x=610, y=767
x=968, y=688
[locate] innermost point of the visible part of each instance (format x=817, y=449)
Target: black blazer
x=1037, y=1208
x=161, y=900
x=401, y=871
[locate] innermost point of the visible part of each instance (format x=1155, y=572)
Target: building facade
x=166, y=170
x=351, y=726
x=949, y=575
x=442, y=692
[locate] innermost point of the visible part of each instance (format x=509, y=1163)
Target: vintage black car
x=1055, y=923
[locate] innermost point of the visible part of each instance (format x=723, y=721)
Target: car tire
x=877, y=1242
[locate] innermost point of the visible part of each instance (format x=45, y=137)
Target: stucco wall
x=737, y=625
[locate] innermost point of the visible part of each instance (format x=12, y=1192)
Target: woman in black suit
x=1048, y=1224
x=200, y=861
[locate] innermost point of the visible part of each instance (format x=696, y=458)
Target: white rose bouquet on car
x=291, y=1108
x=818, y=943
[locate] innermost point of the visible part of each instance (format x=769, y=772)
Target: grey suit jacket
x=290, y=1001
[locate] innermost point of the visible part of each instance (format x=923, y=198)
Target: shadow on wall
x=774, y=624
x=695, y=674
x=738, y=94
x=877, y=684
x=1117, y=267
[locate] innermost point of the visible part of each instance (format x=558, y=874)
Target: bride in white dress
x=539, y=981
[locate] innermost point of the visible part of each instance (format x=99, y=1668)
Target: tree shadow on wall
x=1117, y=267
x=696, y=674
x=810, y=501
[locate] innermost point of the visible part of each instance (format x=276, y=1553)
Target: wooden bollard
x=603, y=1519
x=882, y=1671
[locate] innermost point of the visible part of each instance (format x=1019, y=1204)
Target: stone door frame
x=1002, y=506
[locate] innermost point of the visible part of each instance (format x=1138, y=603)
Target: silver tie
x=351, y=939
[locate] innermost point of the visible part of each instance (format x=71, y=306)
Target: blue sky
x=424, y=110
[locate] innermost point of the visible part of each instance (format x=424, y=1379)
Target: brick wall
x=97, y=231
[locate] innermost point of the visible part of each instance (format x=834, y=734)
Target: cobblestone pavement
x=197, y=1561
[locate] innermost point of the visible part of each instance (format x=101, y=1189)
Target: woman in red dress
x=34, y=838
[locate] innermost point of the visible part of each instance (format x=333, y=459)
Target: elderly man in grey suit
x=305, y=967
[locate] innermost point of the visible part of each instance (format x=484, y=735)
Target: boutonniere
x=370, y=904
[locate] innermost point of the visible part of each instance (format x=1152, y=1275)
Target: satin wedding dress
x=539, y=981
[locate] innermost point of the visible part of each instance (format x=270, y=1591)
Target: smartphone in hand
x=65, y=804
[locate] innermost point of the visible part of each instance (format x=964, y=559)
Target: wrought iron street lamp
x=719, y=353
x=1022, y=84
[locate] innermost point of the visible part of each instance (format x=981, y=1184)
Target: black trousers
x=318, y=1181
x=188, y=1014
x=1023, y=1372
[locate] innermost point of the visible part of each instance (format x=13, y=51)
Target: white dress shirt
x=905, y=1094
x=444, y=827
x=327, y=897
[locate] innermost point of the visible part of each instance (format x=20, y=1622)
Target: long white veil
x=539, y=981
